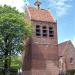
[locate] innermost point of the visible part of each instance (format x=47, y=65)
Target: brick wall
x=41, y=54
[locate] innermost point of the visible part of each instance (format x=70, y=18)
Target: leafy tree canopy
x=13, y=27
x=14, y=30
x=7, y=9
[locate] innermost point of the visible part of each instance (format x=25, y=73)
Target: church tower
x=41, y=56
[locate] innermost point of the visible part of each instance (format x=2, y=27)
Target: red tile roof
x=40, y=15
x=62, y=47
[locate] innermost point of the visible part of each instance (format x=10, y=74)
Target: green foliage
x=71, y=72
x=14, y=30
x=13, y=27
x=16, y=62
x=7, y=9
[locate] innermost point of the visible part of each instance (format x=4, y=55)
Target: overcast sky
x=62, y=10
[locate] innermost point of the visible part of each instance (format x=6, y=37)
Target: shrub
x=70, y=72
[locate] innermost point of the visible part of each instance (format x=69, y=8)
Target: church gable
x=40, y=15
x=67, y=51
x=64, y=47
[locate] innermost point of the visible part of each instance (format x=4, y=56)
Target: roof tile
x=40, y=15
x=62, y=47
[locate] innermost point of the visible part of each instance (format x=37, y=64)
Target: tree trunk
x=6, y=64
x=7, y=59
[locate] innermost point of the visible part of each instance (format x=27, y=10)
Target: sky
x=62, y=10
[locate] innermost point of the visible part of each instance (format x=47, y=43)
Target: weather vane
x=37, y=3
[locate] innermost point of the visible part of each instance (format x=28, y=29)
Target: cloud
x=19, y=4
x=73, y=41
x=61, y=6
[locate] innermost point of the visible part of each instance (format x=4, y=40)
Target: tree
x=16, y=62
x=13, y=30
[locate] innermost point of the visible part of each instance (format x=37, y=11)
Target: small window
x=37, y=26
x=51, y=32
x=50, y=28
x=44, y=34
x=44, y=27
x=51, y=35
x=71, y=60
x=38, y=31
x=44, y=31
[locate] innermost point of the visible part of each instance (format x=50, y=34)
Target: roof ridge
x=64, y=42
x=65, y=47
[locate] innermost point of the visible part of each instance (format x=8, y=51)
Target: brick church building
x=67, y=55
x=41, y=56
